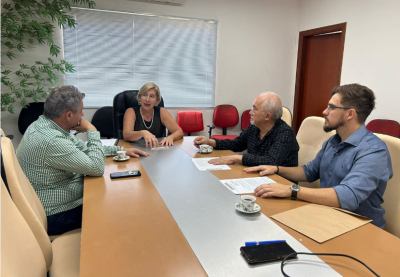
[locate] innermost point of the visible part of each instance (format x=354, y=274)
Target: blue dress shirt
x=358, y=169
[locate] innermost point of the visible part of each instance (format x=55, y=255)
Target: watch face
x=295, y=187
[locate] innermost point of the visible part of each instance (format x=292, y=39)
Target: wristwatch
x=295, y=188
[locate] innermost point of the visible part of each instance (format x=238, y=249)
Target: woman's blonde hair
x=146, y=87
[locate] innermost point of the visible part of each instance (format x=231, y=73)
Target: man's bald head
x=271, y=103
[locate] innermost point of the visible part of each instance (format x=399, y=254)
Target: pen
x=251, y=243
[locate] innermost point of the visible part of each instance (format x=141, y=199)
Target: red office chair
x=245, y=120
x=224, y=116
x=191, y=121
x=384, y=126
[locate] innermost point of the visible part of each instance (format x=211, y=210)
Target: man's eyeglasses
x=331, y=107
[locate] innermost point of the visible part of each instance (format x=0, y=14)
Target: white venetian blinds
x=114, y=51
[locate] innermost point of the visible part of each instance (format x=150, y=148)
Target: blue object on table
x=251, y=243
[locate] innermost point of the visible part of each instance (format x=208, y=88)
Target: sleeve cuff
x=347, y=198
x=93, y=135
x=217, y=143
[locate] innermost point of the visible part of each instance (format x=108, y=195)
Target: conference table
x=148, y=226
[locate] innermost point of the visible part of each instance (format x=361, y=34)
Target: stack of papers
x=109, y=142
x=203, y=165
x=245, y=185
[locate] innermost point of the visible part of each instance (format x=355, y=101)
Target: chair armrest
x=210, y=130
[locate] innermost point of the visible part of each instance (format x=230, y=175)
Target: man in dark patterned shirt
x=268, y=139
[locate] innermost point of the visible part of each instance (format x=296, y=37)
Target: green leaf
x=30, y=23
x=6, y=72
x=10, y=55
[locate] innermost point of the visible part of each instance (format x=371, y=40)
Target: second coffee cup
x=248, y=202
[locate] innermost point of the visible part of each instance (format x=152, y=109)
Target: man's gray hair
x=61, y=99
x=272, y=104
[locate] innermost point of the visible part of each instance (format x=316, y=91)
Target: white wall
x=371, y=52
x=257, y=49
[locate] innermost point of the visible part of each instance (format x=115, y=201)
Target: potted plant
x=24, y=25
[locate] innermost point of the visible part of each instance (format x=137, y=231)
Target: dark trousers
x=60, y=223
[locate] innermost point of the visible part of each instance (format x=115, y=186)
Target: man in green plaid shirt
x=55, y=161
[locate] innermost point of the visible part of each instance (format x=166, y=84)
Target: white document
x=109, y=142
x=245, y=185
x=203, y=165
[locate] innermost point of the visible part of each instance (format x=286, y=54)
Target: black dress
x=157, y=128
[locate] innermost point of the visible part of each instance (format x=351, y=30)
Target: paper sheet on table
x=321, y=223
x=109, y=142
x=245, y=185
x=203, y=165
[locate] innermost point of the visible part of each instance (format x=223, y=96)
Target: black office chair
x=29, y=114
x=123, y=101
x=103, y=121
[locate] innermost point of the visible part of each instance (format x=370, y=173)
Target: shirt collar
x=276, y=125
x=357, y=136
x=53, y=125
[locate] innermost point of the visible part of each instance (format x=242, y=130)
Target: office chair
x=224, y=116
x=103, y=121
x=190, y=121
x=29, y=114
x=4, y=135
x=310, y=137
x=391, y=196
x=287, y=116
x=384, y=126
x=123, y=101
x=245, y=120
x=63, y=255
x=20, y=253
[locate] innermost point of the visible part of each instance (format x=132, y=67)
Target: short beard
x=328, y=129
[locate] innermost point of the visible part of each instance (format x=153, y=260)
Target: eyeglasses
x=333, y=107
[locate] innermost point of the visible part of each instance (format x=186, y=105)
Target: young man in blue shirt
x=353, y=166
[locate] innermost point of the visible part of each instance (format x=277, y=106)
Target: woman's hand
x=151, y=140
x=168, y=141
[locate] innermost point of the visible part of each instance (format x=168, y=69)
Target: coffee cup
x=248, y=202
x=121, y=154
x=205, y=148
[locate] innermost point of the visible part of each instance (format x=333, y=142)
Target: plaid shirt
x=278, y=147
x=56, y=161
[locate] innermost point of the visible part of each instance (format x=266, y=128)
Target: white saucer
x=121, y=160
x=240, y=208
x=207, y=152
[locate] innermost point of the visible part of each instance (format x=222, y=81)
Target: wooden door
x=319, y=68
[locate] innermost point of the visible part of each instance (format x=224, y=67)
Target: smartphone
x=124, y=174
x=267, y=252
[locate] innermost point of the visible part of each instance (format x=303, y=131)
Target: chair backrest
x=191, y=121
x=245, y=120
x=287, y=116
x=225, y=116
x=29, y=114
x=26, y=199
x=391, y=196
x=123, y=101
x=20, y=252
x=103, y=121
x=310, y=137
x=384, y=126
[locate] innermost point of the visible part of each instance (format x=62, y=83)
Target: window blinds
x=114, y=51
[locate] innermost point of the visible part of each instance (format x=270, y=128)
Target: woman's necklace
x=144, y=123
